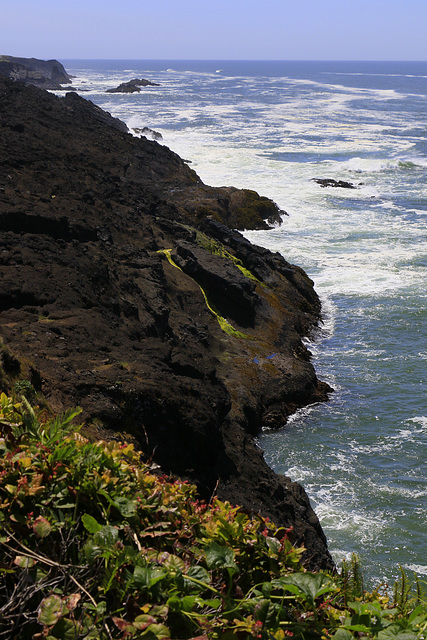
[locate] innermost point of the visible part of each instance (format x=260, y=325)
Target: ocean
x=273, y=127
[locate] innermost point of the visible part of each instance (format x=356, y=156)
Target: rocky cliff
x=46, y=74
x=124, y=290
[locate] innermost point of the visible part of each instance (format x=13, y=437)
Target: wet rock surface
x=148, y=133
x=123, y=291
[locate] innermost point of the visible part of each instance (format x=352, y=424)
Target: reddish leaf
x=123, y=625
x=72, y=601
x=42, y=527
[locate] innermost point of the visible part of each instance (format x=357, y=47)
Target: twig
x=214, y=492
x=51, y=563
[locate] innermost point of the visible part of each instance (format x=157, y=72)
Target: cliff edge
x=124, y=290
x=45, y=74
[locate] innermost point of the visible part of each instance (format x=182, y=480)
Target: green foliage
x=24, y=388
x=96, y=544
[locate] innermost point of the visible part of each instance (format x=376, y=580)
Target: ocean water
x=273, y=127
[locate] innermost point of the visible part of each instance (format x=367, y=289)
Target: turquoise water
x=273, y=127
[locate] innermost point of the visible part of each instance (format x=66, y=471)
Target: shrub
x=97, y=544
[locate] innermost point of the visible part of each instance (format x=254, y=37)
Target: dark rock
x=132, y=85
x=148, y=133
x=82, y=108
x=104, y=254
x=329, y=182
x=45, y=74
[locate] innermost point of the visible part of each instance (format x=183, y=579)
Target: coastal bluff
x=45, y=74
x=126, y=291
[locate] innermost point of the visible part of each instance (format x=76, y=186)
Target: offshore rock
x=123, y=291
x=330, y=182
x=132, y=86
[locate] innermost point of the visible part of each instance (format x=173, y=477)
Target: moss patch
x=216, y=248
x=223, y=323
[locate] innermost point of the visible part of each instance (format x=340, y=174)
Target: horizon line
x=248, y=59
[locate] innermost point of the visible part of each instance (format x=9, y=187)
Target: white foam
x=420, y=569
x=422, y=420
x=274, y=139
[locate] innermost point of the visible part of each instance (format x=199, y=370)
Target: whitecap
x=417, y=568
x=422, y=420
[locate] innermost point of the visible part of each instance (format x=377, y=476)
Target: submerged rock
x=123, y=291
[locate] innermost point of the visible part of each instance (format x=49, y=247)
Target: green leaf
x=159, y=610
x=90, y=524
x=92, y=551
x=342, y=634
x=156, y=632
x=394, y=632
x=126, y=507
x=367, y=608
x=147, y=577
x=363, y=628
x=418, y=612
x=24, y=562
x=66, y=629
x=174, y=563
x=50, y=610
x=143, y=621
x=100, y=607
x=218, y=556
x=311, y=585
x=213, y=603
x=197, y=573
x=273, y=544
x=101, y=543
x=106, y=537
x=179, y=603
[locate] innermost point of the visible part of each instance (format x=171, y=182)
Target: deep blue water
x=273, y=126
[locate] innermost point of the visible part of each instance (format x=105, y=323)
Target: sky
x=215, y=30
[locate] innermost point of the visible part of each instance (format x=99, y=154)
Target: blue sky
x=224, y=29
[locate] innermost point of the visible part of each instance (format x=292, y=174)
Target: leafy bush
x=97, y=544
x=24, y=388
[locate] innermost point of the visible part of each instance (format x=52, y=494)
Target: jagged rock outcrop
x=123, y=291
x=148, y=133
x=45, y=74
x=132, y=86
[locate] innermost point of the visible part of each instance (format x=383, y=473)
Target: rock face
x=123, y=291
x=132, y=86
x=46, y=74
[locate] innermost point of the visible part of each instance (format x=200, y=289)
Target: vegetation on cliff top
x=96, y=543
